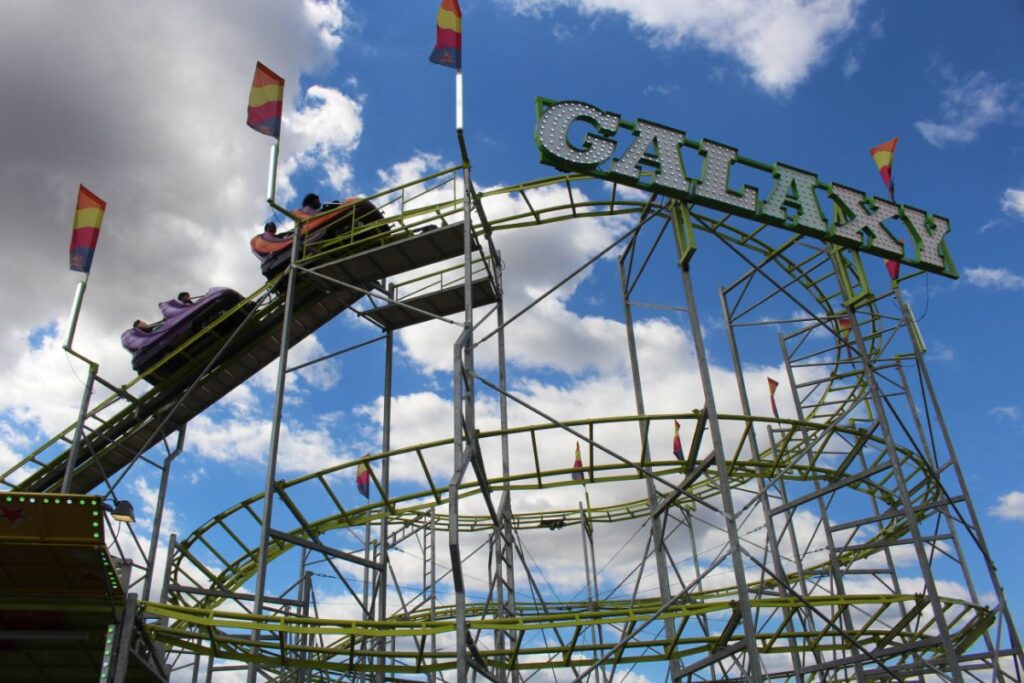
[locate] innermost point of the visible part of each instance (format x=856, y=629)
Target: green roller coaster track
x=831, y=449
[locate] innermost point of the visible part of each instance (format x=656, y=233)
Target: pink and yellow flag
x=577, y=465
x=448, y=48
x=882, y=154
x=845, y=326
x=85, y=229
x=266, y=101
x=363, y=479
x=893, y=266
x=677, y=445
x=772, y=386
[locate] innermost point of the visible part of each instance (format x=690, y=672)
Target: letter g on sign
x=553, y=135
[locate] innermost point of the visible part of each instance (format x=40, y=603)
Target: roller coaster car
x=335, y=219
x=183, y=321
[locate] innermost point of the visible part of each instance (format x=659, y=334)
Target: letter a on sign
x=666, y=157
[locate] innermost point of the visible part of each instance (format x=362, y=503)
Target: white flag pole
x=458, y=100
x=272, y=172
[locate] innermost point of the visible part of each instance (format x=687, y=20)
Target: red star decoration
x=13, y=515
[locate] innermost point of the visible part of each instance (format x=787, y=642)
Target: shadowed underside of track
x=218, y=368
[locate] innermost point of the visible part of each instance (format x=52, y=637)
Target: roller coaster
x=838, y=542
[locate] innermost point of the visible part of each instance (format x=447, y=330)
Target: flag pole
x=272, y=171
x=266, y=109
x=83, y=408
x=458, y=100
x=76, y=308
x=89, y=210
x=465, y=413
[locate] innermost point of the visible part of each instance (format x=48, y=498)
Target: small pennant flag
x=677, y=445
x=266, y=102
x=845, y=325
x=893, y=267
x=448, y=49
x=85, y=229
x=577, y=465
x=772, y=386
x=882, y=154
x=363, y=479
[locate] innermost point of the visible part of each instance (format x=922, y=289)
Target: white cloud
x=149, y=496
x=851, y=65
x=1013, y=202
x=328, y=18
x=996, y=278
x=778, y=42
x=322, y=133
x=1011, y=413
x=413, y=168
x=247, y=440
x=321, y=375
x=877, y=27
x=1011, y=506
x=940, y=352
x=968, y=105
x=153, y=127
x=13, y=445
x=660, y=89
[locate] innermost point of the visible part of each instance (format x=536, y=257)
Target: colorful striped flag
x=677, y=445
x=266, y=102
x=448, y=49
x=772, y=386
x=363, y=479
x=85, y=230
x=577, y=466
x=845, y=326
x=882, y=154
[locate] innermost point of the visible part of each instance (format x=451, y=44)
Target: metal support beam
x=385, y=482
x=124, y=637
x=657, y=533
x=321, y=548
x=76, y=443
x=158, y=512
x=753, y=664
x=931, y=589
x=275, y=435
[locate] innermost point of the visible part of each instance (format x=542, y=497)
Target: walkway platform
x=443, y=302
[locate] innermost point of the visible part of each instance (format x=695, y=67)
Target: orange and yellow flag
x=882, y=154
x=85, y=229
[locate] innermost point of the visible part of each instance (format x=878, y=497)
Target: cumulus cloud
x=994, y=278
x=409, y=170
x=154, y=126
x=328, y=18
x=778, y=43
x=1013, y=202
x=149, y=495
x=322, y=375
x=246, y=440
x=969, y=104
x=322, y=133
x=1011, y=506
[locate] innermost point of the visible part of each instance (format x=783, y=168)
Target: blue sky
x=146, y=107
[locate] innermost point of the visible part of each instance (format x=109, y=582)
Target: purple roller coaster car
x=181, y=321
